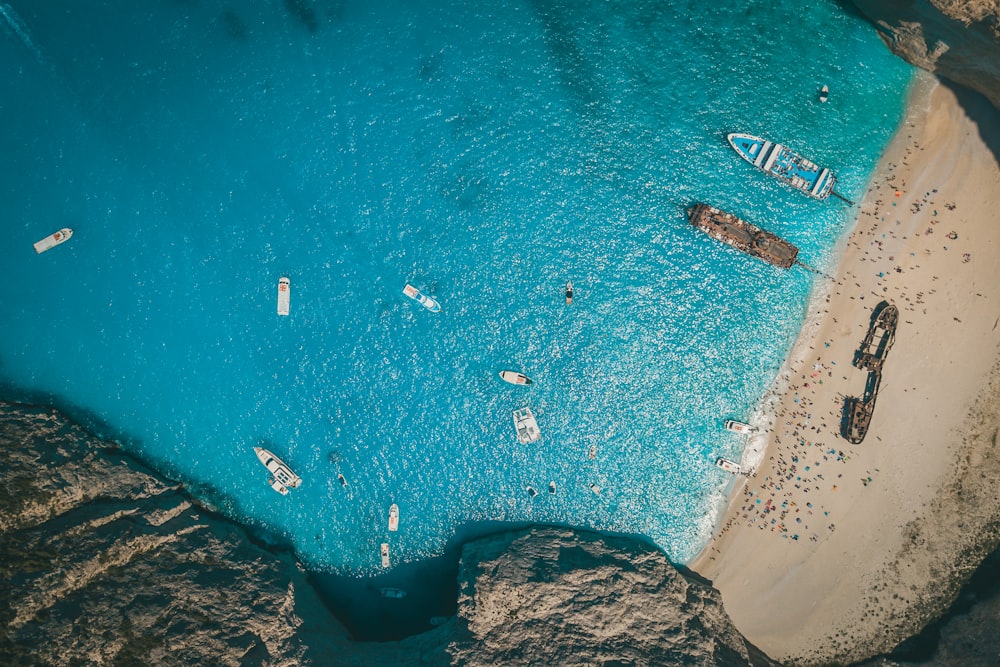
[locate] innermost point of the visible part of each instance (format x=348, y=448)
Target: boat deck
x=743, y=236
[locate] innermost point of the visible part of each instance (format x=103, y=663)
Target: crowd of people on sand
x=807, y=451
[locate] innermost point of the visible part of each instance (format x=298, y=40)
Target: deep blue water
x=486, y=153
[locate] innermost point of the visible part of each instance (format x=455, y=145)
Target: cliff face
x=552, y=596
x=104, y=563
x=957, y=39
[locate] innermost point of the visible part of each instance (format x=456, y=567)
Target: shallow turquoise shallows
x=487, y=154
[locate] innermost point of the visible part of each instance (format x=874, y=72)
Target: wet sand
x=833, y=551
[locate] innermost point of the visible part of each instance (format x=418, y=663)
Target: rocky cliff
x=957, y=39
x=552, y=596
x=105, y=563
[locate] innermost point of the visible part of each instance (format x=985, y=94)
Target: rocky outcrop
x=550, y=596
x=105, y=563
x=956, y=39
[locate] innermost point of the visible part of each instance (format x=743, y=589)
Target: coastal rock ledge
x=106, y=563
x=956, y=39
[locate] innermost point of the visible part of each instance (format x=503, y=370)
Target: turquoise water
x=487, y=153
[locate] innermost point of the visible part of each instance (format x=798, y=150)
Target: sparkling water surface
x=487, y=153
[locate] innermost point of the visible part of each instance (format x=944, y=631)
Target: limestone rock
x=957, y=39
x=551, y=596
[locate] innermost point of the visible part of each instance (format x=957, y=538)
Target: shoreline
x=832, y=551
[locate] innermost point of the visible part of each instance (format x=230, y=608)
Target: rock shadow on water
x=431, y=587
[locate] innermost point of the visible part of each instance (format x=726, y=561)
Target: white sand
x=879, y=524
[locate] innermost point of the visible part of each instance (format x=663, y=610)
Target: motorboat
x=514, y=377
x=526, y=426
x=729, y=466
x=282, y=476
x=54, y=239
x=740, y=427
x=284, y=295
x=384, y=551
x=393, y=517
x=824, y=93
x=424, y=300
x=569, y=293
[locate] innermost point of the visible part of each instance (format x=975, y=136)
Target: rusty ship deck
x=743, y=236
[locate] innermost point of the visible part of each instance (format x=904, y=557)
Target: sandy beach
x=832, y=551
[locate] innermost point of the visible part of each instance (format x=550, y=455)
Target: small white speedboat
x=569, y=293
x=526, y=426
x=824, y=93
x=424, y=300
x=729, y=466
x=284, y=294
x=282, y=476
x=393, y=517
x=740, y=427
x=277, y=486
x=392, y=593
x=384, y=550
x=514, y=377
x=54, y=239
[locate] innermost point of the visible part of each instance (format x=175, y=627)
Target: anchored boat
x=282, y=477
x=424, y=300
x=729, y=466
x=384, y=551
x=526, y=426
x=740, y=427
x=743, y=236
x=54, y=239
x=284, y=295
x=393, y=517
x=569, y=293
x=514, y=377
x=779, y=161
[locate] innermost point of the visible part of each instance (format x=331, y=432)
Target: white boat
x=728, y=466
x=393, y=517
x=824, y=93
x=282, y=476
x=552, y=487
x=277, y=486
x=526, y=426
x=514, y=377
x=284, y=295
x=740, y=427
x=392, y=593
x=52, y=240
x=424, y=300
x=596, y=489
x=384, y=550
x=342, y=479
x=569, y=293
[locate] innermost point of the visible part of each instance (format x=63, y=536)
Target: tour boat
x=779, y=161
x=740, y=427
x=514, y=377
x=569, y=293
x=284, y=295
x=728, y=466
x=742, y=235
x=393, y=517
x=384, y=550
x=282, y=476
x=424, y=300
x=392, y=593
x=52, y=240
x=526, y=426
